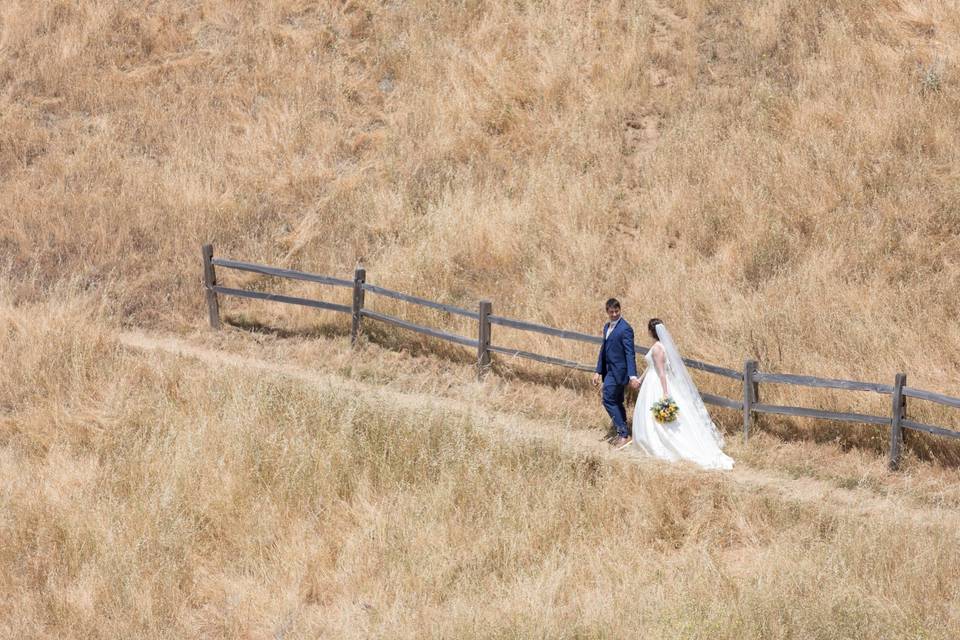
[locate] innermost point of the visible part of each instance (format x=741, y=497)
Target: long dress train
x=692, y=436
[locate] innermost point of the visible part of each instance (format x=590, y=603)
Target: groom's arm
x=630, y=352
x=599, y=369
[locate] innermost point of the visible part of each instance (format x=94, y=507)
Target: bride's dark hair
x=652, y=327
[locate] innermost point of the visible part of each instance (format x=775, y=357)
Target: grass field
x=155, y=496
x=776, y=180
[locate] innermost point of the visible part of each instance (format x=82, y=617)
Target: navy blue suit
x=617, y=363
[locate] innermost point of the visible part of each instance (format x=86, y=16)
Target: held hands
x=634, y=382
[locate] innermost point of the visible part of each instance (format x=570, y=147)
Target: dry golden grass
x=776, y=180
x=153, y=496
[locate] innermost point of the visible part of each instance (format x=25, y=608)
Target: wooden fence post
x=483, y=338
x=209, y=282
x=359, y=278
x=899, y=412
x=751, y=394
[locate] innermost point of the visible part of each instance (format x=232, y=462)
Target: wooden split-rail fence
x=750, y=377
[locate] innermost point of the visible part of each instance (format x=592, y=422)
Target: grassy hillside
x=776, y=180
x=154, y=496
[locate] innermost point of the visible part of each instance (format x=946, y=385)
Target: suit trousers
x=613, y=403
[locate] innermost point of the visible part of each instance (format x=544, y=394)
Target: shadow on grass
x=329, y=330
x=513, y=369
x=416, y=345
x=861, y=437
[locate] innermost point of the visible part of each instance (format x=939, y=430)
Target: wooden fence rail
x=280, y=273
x=436, y=333
x=396, y=295
x=750, y=377
x=550, y=331
x=824, y=383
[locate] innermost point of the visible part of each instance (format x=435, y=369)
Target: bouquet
x=665, y=410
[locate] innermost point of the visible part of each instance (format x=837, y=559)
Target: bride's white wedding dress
x=692, y=436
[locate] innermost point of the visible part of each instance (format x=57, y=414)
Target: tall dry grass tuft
x=183, y=499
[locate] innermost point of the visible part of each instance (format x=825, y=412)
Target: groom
x=616, y=367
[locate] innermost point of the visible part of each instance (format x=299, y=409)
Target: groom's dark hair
x=613, y=303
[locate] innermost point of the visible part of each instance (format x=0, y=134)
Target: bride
x=692, y=435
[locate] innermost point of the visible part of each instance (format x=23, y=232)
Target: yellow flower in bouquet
x=665, y=410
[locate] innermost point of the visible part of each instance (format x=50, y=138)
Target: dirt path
x=576, y=441
x=510, y=425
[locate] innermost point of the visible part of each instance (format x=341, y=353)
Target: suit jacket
x=617, y=356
